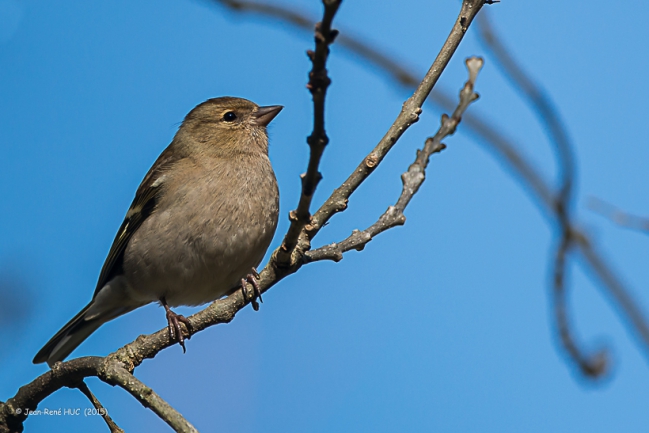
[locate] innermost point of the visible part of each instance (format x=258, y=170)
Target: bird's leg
x=252, y=279
x=173, y=325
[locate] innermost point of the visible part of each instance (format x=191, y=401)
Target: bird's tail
x=72, y=335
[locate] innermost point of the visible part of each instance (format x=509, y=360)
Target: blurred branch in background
x=554, y=203
x=618, y=216
x=569, y=234
x=548, y=116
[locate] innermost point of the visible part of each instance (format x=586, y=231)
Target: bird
x=200, y=223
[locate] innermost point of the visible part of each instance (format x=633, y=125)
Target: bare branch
x=269, y=10
x=115, y=374
x=538, y=101
x=614, y=287
x=560, y=210
x=318, y=83
x=15, y=410
x=591, y=366
x=409, y=114
x=412, y=179
x=619, y=216
x=70, y=374
x=548, y=116
x=114, y=428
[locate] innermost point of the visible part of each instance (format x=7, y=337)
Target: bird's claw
x=252, y=278
x=173, y=326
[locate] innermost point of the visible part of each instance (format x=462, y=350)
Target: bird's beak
x=264, y=115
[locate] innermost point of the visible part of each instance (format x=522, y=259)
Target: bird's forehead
x=226, y=102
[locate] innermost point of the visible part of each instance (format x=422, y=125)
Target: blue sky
x=443, y=324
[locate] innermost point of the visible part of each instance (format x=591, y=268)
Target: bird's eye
x=229, y=116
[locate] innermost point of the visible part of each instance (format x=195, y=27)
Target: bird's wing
x=142, y=206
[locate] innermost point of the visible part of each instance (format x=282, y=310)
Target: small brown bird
x=202, y=219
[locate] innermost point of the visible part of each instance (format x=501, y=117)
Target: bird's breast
x=205, y=234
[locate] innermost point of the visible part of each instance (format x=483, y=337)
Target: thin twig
x=619, y=293
x=592, y=366
x=318, y=83
x=618, y=216
x=539, y=102
x=409, y=114
x=114, y=428
x=412, y=179
x=118, y=375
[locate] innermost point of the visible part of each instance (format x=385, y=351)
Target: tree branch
x=115, y=374
x=114, y=428
x=596, y=264
x=480, y=128
x=318, y=83
x=16, y=409
x=110, y=369
x=412, y=179
x=618, y=216
x=560, y=207
x=594, y=365
x=548, y=116
x=409, y=114
x=538, y=100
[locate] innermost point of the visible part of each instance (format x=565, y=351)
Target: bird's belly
x=196, y=263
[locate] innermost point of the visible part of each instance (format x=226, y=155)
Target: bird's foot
x=252, y=278
x=173, y=325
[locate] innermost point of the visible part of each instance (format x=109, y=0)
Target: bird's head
x=229, y=124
